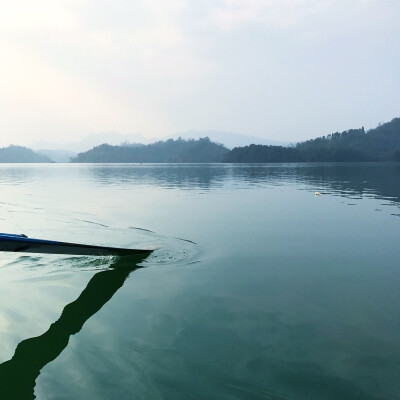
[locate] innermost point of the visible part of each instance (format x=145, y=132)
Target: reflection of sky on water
x=282, y=293
x=346, y=179
x=51, y=201
x=362, y=179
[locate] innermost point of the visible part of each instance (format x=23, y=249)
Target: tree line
x=169, y=151
x=379, y=144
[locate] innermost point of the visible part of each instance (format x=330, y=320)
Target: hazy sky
x=280, y=69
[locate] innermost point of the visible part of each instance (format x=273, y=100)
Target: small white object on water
x=318, y=194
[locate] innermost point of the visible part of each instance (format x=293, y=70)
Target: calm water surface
x=258, y=289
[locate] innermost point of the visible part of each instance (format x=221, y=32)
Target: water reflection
x=18, y=375
x=166, y=175
x=346, y=179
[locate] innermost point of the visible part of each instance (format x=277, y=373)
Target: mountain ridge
x=170, y=151
x=228, y=139
x=21, y=154
x=379, y=144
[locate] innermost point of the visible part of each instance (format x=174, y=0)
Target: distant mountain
x=90, y=141
x=58, y=156
x=228, y=139
x=379, y=144
x=19, y=154
x=170, y=151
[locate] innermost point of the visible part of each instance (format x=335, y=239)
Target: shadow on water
x=18, y=375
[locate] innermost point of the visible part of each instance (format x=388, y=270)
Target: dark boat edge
x=24, y=244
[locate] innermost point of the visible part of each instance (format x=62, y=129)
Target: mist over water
x=257, y=288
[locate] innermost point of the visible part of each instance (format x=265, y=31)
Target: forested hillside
x=173, y=151
x=19, y=154
x=379, y=144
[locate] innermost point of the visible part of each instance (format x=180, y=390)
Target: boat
x=24, y=244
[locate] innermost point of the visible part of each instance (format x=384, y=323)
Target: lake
x=257, y=289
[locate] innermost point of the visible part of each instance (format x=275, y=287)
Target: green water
x=258, y=288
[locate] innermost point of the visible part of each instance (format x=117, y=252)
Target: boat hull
x=23, y=244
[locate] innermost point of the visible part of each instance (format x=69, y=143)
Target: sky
x=286, y=70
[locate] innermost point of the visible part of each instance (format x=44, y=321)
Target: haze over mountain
x=379, y=144
x=228, y=139
x=58, y=156
x=90, y=141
